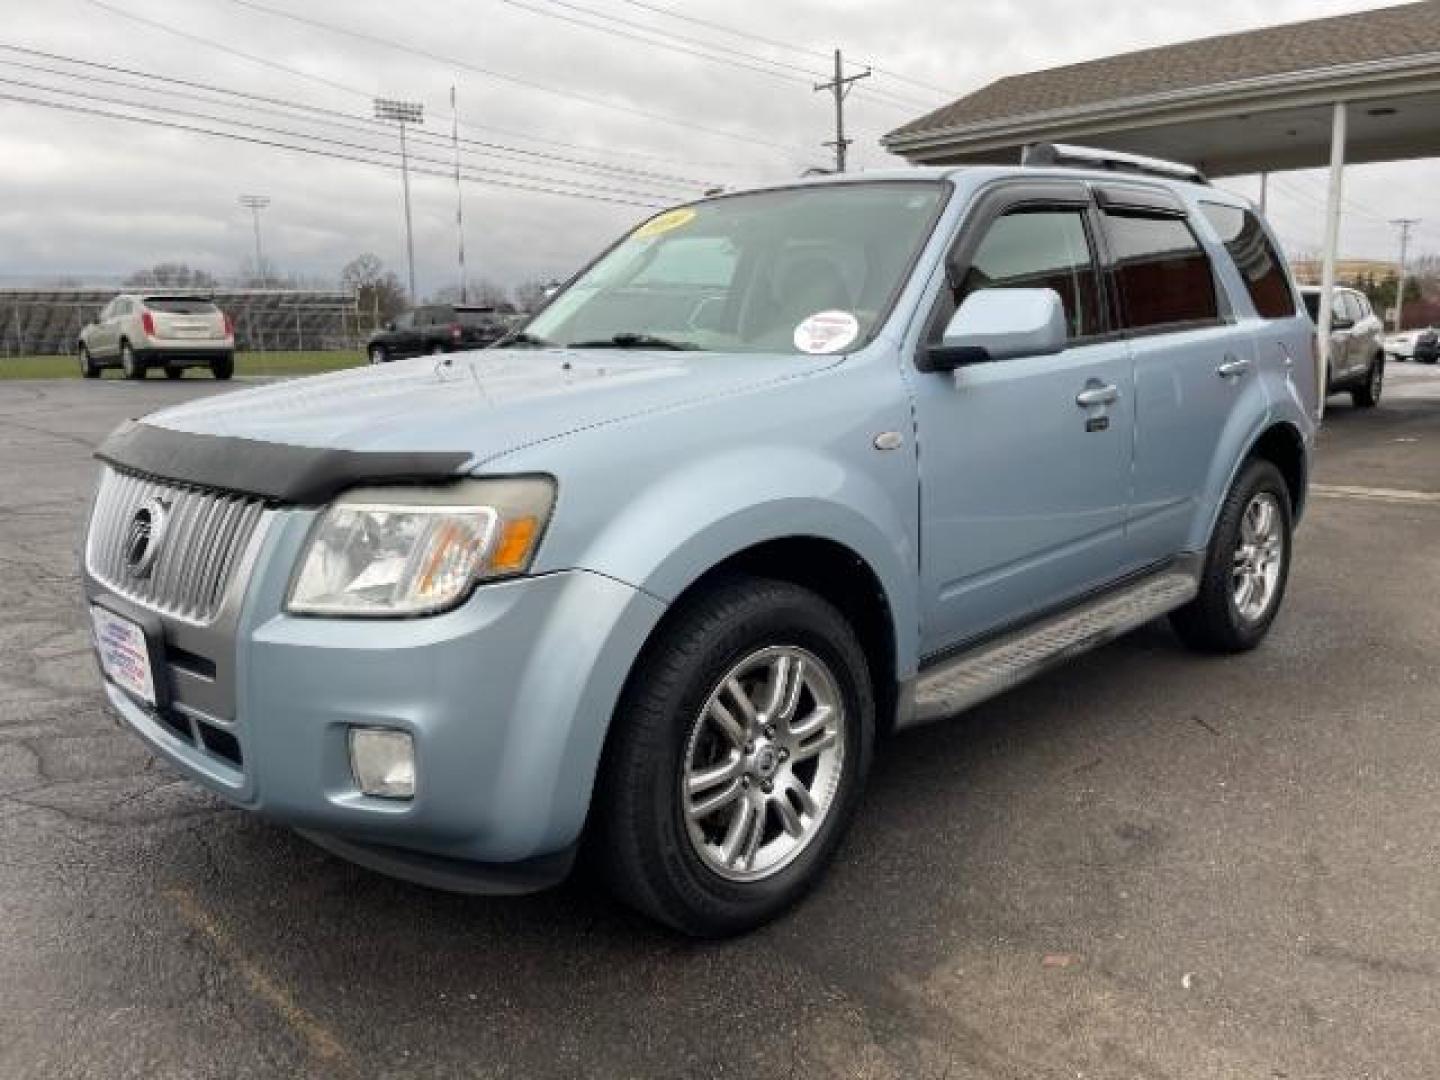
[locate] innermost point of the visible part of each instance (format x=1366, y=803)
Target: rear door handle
x=1097, y=395
x=1232, y=368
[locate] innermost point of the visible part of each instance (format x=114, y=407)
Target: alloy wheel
x=763, y=763
x=1255, y=571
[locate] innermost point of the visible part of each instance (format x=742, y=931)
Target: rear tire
x=438, y=350
x=133, y=367
x=1246, y=566
x=1367, y=394
x=223, y=367
x=720, y=857
x=88, y=368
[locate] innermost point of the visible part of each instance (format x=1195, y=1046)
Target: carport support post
x=1332, y=241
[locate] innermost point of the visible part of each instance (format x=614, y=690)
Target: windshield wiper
x=634, y=341
x=521, y=338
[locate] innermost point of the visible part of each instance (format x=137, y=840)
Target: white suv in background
x=136, y=332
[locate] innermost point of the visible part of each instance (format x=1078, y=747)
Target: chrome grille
x=206, y=537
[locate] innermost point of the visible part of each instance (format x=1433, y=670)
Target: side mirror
x=1340, y=322
x=1001, y=324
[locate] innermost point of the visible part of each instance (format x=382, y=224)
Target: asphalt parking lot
x=1148, y=864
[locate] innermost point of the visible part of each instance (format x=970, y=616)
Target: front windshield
x=808, y=269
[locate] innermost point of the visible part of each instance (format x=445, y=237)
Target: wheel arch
x=1279, y=441
x=1283, y=446
x=838, y=574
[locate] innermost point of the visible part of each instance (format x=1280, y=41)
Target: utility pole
x=1404, y=225
x=459, y=194
x=840, y=86
x=256, y=203
x=402, y=113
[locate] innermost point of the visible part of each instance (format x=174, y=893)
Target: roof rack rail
x=1084, y=157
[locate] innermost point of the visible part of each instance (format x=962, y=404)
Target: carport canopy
x=1360, y=88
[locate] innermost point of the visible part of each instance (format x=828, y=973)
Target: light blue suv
x=780, y=472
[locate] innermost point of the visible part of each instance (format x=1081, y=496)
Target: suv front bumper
x=507, y=698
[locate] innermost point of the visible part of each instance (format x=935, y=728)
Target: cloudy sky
x=549, y=97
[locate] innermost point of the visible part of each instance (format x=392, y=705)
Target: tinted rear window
x=179, y=305
x=1255, y=257
x=1162, y=272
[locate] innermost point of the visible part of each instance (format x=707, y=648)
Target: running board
x=995, y=666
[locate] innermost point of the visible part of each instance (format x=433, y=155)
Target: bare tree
x=171, y=275
x=378, y=292
x=482, y=292
x=529, y=295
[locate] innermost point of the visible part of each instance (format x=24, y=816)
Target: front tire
x=1246, y=566
x=377, y=354
x=174, y=372
x=737, y=758
x=133, y=367
x=1367, y=394
x=88, y=368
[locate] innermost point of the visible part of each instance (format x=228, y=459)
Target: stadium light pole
x=459, y=193
x=256, y=203
x=402, y=113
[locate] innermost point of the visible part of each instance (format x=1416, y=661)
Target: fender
x=695, y=516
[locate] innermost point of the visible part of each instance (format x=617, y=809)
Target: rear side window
x=1255, y=257
x=179, y=305
x=1162, y=272
x=1040, y=249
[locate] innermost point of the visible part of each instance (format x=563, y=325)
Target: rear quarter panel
x=1283, y=390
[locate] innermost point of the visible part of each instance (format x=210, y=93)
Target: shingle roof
x=1383, y=34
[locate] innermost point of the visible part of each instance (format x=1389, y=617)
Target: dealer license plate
x=124, y=654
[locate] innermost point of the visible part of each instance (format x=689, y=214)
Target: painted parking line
x=319, y=1040
x=1369, y=494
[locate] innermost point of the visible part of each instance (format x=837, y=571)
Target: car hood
x=486, y=402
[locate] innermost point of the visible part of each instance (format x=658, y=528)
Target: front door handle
x=1097, y=395
x=1232, y=368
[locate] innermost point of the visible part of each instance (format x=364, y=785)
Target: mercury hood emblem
x=145, y=536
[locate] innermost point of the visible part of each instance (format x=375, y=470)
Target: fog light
x=383, y=762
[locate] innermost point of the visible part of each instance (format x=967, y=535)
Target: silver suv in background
x=1357, y=349
x=136, y=332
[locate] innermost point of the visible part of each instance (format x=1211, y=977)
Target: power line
x=453, y=61
x=475, y=172
x=343, y=88
x=329, y=116
x=209, y=118
x=820, y=54
x=664, y=37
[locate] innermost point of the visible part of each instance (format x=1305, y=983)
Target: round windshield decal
x=671, y=219
x=826, y=332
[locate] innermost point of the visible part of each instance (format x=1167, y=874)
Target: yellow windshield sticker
x=671, y=219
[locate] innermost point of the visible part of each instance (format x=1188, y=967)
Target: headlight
x=417, y=551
